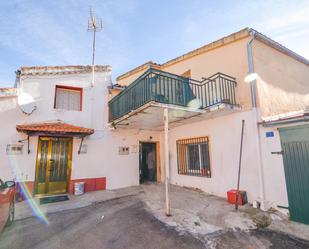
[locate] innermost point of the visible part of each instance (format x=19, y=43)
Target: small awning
x=57, y=128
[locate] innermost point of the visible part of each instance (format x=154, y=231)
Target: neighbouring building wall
x=42, y=88
x=283, y=84
x=102, y=158
x=224, y=140
x=274, y=177
x=129, y=79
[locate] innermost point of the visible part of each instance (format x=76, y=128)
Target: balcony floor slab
x=150, y=116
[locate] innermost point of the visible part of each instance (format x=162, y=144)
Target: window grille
x=193, y=157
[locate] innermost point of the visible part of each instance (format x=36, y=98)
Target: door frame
x=158, y=158
x=69, y=168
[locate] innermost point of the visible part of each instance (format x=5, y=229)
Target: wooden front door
x=53, y=165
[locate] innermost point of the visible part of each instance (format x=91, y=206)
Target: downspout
x=256, y=119
x=251, y=68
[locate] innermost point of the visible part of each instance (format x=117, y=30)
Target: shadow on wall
x=275, y=100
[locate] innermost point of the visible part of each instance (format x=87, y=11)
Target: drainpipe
x=256, y=120
x=251, y=68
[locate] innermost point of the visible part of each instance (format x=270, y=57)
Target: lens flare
x=178, y=113
x=27, y=194
x=195, y=104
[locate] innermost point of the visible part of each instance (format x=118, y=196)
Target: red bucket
x=242, y=197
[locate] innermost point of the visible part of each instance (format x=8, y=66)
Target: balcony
x=156, y=88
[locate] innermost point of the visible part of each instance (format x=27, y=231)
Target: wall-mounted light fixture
x=251, y=77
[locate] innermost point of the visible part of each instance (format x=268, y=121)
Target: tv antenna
x=94, y=25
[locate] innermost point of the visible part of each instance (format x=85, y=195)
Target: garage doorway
x=148, y=162
x=295, y=146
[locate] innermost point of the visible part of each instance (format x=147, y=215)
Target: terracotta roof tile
x=54, y=127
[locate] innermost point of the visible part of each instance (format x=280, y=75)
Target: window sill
x=186, y=174
x=65, y=110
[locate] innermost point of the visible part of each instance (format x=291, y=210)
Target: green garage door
x=295, y=145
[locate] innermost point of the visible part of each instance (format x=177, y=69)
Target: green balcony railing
x=163, y=87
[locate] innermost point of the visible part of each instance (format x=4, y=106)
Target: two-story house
x=208, y=92
x=181, y=119
x=51, y=146
x=55, y=132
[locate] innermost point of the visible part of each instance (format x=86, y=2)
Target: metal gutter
x=286, y=121
x=256, y=117
x=276, y=45
x=251, y=68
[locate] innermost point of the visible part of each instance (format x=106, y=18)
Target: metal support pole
x=92, y=81
x=239, y=166
x=80, y=145
x=93, y=53
x=28, y=140
x=167, y=164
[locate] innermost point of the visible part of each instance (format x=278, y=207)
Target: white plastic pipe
x=256, y=120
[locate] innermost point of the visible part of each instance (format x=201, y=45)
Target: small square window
x=68, y=98
x=193, y=157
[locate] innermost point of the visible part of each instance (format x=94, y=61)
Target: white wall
x=42, y=88
x=124, y=170
x=224, y=138
x=12, y=166
x=274, y=176
x=102, y=158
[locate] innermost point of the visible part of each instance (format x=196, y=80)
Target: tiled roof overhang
x=57, y=128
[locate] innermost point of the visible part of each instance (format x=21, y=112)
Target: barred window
x=193, y=157
x=68, y=98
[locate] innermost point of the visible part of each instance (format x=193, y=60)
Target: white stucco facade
x=262, y=172
x=101, y=159
x=279, y=88
x=224, y=138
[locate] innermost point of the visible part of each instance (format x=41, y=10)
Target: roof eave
x=209, y=46
x=55, y=133
x=263, y=38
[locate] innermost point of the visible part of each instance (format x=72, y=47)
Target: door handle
x=51, y=165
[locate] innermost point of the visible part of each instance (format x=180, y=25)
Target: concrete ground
x=29, y=208
x=134, y=218
x=202, y=214
x=120, y=223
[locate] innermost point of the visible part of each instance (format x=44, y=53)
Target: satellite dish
x=26, y=103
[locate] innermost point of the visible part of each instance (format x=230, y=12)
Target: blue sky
x=135, y=31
